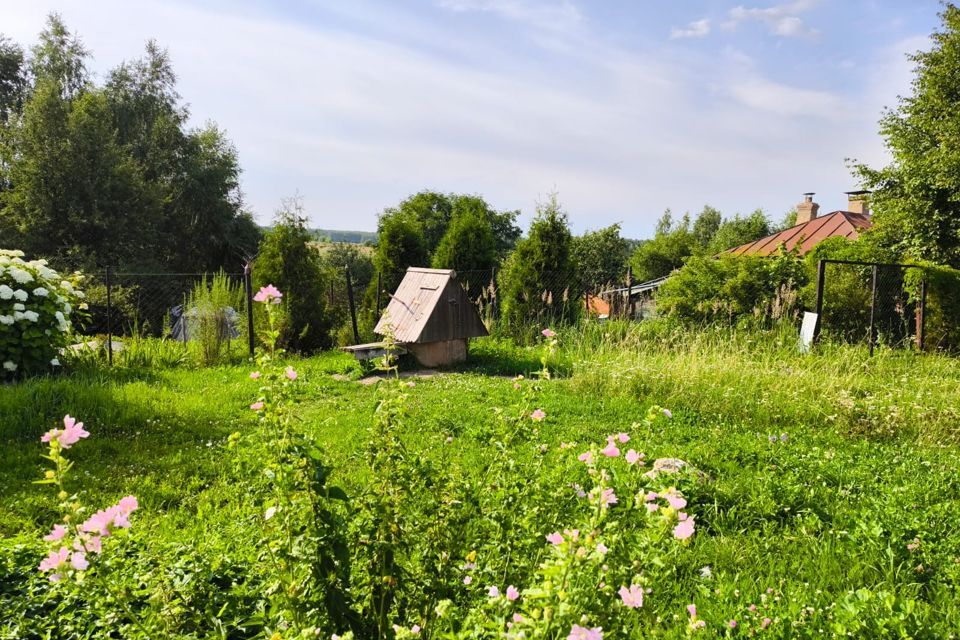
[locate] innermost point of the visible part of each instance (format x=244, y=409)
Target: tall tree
x=110, y=175
x=400, y=245
x=287, y=261
x=13, y=78
x=539, y=283
x=670, y=246
x=916, y=199
x=706, y=226
x=739, y=230
x=468, y=244
x=601, y=256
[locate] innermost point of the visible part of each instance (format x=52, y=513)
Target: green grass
x=869, y=461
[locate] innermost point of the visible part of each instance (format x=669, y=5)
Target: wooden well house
x=431, y=317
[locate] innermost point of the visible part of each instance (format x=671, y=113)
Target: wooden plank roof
x=807, y=235
x=430, y=306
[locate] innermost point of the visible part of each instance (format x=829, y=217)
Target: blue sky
x=624, y=108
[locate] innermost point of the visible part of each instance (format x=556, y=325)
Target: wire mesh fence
x=204, y=313
x=870, y=303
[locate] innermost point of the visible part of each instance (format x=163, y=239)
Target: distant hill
x=336, y=235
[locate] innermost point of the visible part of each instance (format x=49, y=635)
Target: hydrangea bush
x=37, y=306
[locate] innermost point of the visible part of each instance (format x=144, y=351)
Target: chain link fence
x=871, y=303
x=206, y=315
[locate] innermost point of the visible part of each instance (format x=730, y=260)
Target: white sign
x=807, y=330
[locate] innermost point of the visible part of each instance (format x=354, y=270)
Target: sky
x=623, y=108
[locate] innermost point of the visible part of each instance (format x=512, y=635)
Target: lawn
x=825, y=497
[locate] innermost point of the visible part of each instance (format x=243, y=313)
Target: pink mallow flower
x=493, y=592
x=512, y=593
x=256, y=406
x=632, y=457
x=583, y=633
x=548, y=333
x=58, y=532
x=554, y=538
x=685, y=529
x=608, y=497
x=623, y=438
x=254, y=375
x=586, y=457
x=78, y=560
x=290, y=373
x=103, y=522
x=268, y=294
x=632, y=597
x=538, y=415
x=676, y=501
x=55, y=561
x=68, y=436
x=517, y=618
x=610, y=450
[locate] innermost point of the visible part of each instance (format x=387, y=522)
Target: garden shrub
x=942, y=326
x=729, y=288
x=36, y=306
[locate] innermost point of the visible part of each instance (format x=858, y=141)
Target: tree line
x=110, y=174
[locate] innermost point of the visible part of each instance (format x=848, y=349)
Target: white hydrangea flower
x=32, y=316
x=40, y=291
x=67, y=308
x=66, y=286
x=5, y=292
x=14, y=253
x=21, y=276
x=20, y=295
x=18, y=306
x=7, y=320
x=55, y=362
x=10, y=366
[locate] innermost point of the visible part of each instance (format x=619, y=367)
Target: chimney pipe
x=807, y=210
x=857, y=202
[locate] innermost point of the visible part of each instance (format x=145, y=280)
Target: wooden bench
x=371, y=350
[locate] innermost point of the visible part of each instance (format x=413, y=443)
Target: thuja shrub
x=37, y=306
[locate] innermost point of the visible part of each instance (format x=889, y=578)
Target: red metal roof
x=807, y=235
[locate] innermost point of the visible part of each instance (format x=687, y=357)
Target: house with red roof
x=812, y=229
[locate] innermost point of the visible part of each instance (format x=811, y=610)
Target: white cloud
x=552, y=16
x=780, y=19
x=696, y=29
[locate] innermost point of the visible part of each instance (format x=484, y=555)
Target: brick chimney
x=857, y=202
x=807, y=210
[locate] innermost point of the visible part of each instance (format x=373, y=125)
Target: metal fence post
x=873, y=307
x=353, y=309
x=248, y=290
x=628, y=307
x=821, y=277
x=106, y=279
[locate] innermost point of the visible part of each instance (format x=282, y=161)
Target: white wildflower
x=55, y=362
x=10, y=366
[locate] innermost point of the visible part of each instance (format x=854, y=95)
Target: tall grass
x=761, y=376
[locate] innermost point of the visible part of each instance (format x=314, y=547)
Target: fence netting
x=869, y=303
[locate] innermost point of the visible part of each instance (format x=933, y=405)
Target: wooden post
x=821, y=278
x=873, y=307
x=353, y=309
x=248, y=289
x=922, y=315
x=628, y=308
x=109, y=319
x=379, y=289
